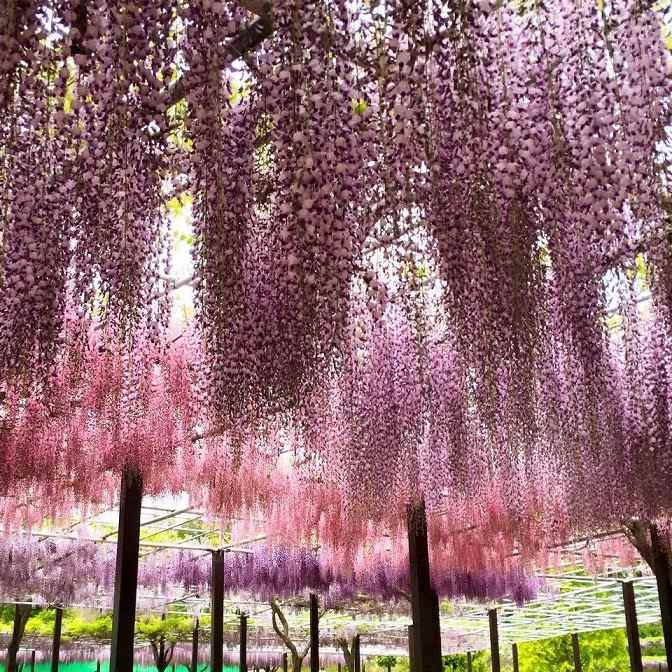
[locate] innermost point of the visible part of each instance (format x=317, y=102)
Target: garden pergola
x=419, y=232
x=574, y=600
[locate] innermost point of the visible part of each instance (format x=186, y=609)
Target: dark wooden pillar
x=494, y=641
x=356, y=655
x=424, y=601
x=98, y=666
x=411, y=649
x=663, y=571
x=634, y=649
x=576, y=650
x=338, y=667
x=217, y=612
x=243, y=643
x=194, y=647
x=314, y=634
x=284, y=662
x=469, y=663
x=21, y=615
x=126, y=574
x=32, y=661
x=514, y=653
x=56, y=646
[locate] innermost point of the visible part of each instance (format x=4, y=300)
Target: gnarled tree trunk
x=162, y=654
x=348, y=653
x=655, y=549
x=21, y=616
x=283, y=634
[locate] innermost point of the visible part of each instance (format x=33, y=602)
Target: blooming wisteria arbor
x=420, y=232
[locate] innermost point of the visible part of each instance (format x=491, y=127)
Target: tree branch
x=637, y=533
x=402, y=593
x=155, y=653
x=347, y=654
x=258, y=7
x=284, y=635
x=246, y=41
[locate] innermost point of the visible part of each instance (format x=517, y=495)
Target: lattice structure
x=573, y=601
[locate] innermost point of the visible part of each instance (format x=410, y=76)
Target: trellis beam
x=243, y=643
x=494, y=640
x=576, y=651
x=314, y=634
x=194, y=647
x=126, y=573
x=56, y=647
x=424, y=601
x=217, y=612
x=632, y=630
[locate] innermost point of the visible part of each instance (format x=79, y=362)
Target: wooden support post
x=314, y=634
x=284, y=662
x=194, y=647
x=356, y=655
x=217, y=613
x=32, y=661
x=634, y=649
x=243, y=643
x=56, y=647
x=576, y=649
x=469, y=663
x=494, y=641
x=662, y=568
x=424, y=601
x=514, y=654
x=339, y=667
x=126, y=574
x=21, y=615
x=411, y=649
x=98, y=666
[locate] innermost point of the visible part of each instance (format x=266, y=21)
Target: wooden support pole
x=634, y=649
x=98, y=666
x=217, y=613
x=514, y=654
x=494, y=641
x=314, y=634
x=284, y=662
x=576, y=650
x=21, y=615
x=243, y=643
x=426, y=648
x=56, y=646
x=356, y=655
x=126, y=574
x=32, y=661
x=411, y=649
x=339, y=667
x=469, y=663
x=194, y=647
x=662, y=568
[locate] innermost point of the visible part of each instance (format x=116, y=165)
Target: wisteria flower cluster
x=523, y=148
x=412, y=223
x=69, y=572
